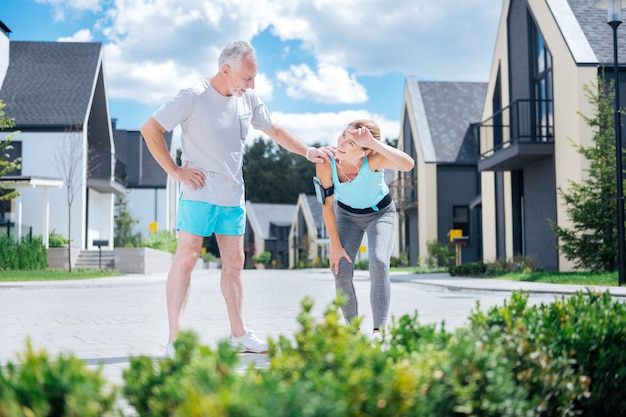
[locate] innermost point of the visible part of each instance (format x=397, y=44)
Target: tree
x=591, y=205
x=69, y=158
x=6, y=164
x=124, y=223
x=275, y=175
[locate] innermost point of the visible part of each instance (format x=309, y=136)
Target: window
x=542, y=75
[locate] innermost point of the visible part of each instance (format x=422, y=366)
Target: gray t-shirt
x=214, y=129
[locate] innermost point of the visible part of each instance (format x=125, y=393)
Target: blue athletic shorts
x=204, y=219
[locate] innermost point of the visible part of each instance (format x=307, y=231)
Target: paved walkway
x=107, y=320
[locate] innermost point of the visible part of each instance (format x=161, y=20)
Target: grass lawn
x=54, y=275
x=577, y=278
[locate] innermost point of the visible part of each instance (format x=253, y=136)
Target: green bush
x=362, y=265
x=401, y=261
x=329, y=369
x=163, y=240
x=474, y=269
x=62, y=387
x=262, y=258
x=591, y=329
x=56, y=240
x=564, y=346
x=26, y=254
x=439, y=254
x=561, y=359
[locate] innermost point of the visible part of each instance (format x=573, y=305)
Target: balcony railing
x=101, y=165
x=523, y=121
x=516, y=136
x=120, y=171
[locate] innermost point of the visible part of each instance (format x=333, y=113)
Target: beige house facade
x=546, y=52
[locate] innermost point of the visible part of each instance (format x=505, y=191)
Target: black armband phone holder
x=322, y=192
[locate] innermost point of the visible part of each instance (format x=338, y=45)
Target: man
x=215, y=116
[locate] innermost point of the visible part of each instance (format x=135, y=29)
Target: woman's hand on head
x=361, y=136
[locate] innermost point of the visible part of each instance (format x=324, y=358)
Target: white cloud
x=446, y=39
x=331, y=84
x=60, y=8
x=263, y=87
x=443, y=40
x=83, y=35
x=155, y=47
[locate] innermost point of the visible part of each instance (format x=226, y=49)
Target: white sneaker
x=170, y=352
x=248, y=343
x=379, y=341
x=377, y=338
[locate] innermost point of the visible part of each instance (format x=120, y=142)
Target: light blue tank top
x=364, y=191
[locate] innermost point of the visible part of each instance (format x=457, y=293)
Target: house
x=308, y=239
x=56, y=94
x=545, y=52
x=147, y=183
x=267, y=230
x=442, y=193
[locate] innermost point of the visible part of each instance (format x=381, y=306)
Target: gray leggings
x=379, y=227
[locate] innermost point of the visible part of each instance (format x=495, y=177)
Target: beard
x=238, y=92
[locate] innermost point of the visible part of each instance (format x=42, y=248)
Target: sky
x=322, y=63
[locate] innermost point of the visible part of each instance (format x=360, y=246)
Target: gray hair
x=233, y=54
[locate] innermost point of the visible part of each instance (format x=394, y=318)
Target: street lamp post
x=614, y=19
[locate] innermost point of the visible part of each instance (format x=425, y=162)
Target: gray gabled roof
x=598, y=33
x=450, y=109
x=316, y=210
x=586, y=32
x=264, y=214
x=50, y=84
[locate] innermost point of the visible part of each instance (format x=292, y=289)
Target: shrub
x=62, y=387
x=561, y=359
x=25, y=254
x=262, y=258
x=56, y=240
x=561, y=348
x=439, y=254
x=329, y=369
x=401, y=261
x=163, y=240
x=591, y=329
x=474, y=269
x=362, y=265
x=168, y=386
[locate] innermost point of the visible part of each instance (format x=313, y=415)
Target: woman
x=355, y=178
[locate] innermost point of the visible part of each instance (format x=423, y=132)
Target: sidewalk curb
x=487, y=285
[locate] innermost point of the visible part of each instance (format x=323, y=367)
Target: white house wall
x=38, y=150
x=101, y=211
x=146, y=206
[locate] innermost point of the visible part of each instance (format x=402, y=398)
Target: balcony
x=517, y=136
x=106, y=173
